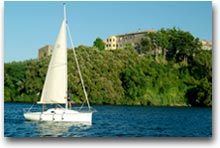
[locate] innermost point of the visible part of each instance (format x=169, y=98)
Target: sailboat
x=55, y=87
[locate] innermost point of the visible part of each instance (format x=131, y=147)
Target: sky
x=29, y=26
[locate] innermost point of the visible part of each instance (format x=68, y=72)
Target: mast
x=64, y=19
x=64, y=11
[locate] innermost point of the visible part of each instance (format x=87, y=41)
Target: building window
x=110, y=40
x=113, y=45
x=113, y=40
x=109, y=45
x=116, y=45
x=107, y=40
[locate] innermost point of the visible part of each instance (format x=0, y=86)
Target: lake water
x=116, y=121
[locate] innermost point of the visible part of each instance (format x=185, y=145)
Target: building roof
x=135, y=33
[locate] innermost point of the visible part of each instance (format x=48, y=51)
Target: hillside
x=122, y=77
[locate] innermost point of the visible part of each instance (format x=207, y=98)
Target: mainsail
x=55, y=86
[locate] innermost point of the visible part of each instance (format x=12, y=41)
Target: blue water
x=116, y=121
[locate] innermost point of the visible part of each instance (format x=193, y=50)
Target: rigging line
x=29, y=110
x=77, y=64
x=82, y=105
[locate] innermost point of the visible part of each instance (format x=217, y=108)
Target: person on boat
x=69, y=98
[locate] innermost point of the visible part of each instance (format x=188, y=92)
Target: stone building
x=119, y=41
x=111, y=43
x=45, y=51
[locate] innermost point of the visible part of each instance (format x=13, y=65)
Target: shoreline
x=172, y=105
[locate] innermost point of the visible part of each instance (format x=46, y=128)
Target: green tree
x=163, y=42
x=150, y=43
x=98, y=43
x=182, y=45
x=153, y=42
x=14, y=80
x=128, y=46
x=145, y=45
x=200, y=85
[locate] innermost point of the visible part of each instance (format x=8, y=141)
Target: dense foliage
x=172, y=77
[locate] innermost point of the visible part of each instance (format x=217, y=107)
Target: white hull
x=59, y=114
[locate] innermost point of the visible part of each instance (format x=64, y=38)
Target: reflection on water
x=59, y=129
x=54, y=129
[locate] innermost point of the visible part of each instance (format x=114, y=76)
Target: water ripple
x=116, y=121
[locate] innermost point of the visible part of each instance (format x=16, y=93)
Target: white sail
x=55, y=85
